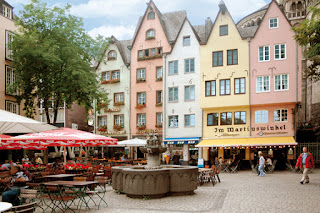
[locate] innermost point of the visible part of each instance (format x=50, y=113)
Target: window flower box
x=150, y=38
x=119, y=103
x=140, y=80
x=158, y=125
x=102, y=128
x=105, y=82
x=149, y=57
x=159, y=104
x=139, y=106
x=111, y=58
x=118, y=127
x=115, y=81
x=159, y=79
x=141, y=126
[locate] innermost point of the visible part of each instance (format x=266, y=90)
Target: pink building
x=154, y=34
x=275, y=84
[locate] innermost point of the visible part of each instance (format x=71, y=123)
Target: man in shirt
x=38, y=160
x=305, y=162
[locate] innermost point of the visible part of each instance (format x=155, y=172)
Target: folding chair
x=273, y=166
x=26, y=208
x=235, y=167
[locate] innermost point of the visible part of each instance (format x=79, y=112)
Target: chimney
x=222, y=7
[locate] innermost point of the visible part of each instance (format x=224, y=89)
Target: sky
x=120, y=17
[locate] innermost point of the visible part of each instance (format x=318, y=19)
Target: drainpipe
x=249, y=40
x=129, y=131
x=296, y=107
x=164, y=114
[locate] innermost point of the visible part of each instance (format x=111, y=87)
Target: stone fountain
x=154, y=180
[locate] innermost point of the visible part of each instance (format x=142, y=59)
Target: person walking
x=305, y=162
x=261, y=164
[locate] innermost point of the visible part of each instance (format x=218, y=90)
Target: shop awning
x=235, y=142
x=191, y=140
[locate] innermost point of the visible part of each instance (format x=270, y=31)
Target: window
x=140, y=53
x=232, y=57
x=150, y=34
x=226, y=118
x=189, y=93
x=159, y=73
x=239, y=85
x=151, y=15
x=159, y=97
x=212, y=119
x=173, y=94
x=146, y=53
x=7, y=12
x=141, y=119
x=280, y=115
x=281, y=82
x=239, y=117
x=261, y=116
x=118, y=120
x=10, y=79
x=273, y=23
x=263, y=84
x=9, y=39
x=210, y=88
x=112, y=55
x=217, y=59
x=159, y=117
x=189, y=65
x=153, y=51
x=279, y=51
x=189, y=120
x=105, y=76
x=223, y=30
x=173, y=121
x=116, y=75
x=118, y=97
x=186, y=41
x=141, y=75
x=173, y=67
x=225, y=87
x=102, y=120
x=264, y=53
x=141, y=98
x=12, y=107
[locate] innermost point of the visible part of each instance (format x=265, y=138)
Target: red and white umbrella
x=60, y=137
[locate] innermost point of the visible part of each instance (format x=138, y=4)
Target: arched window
x=299, y=6
x=293, y=6
x=252, y=23
x=112, y=55
x=258, y=21
x=150, y=34
x=151, y=15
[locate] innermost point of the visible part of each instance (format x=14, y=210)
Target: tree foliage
x=308, y=35
x=52, y=57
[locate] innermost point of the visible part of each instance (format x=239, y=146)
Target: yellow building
x=224, y=83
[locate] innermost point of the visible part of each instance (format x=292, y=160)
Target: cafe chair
x=26, y=208
x=233, y=169
x=270, y=169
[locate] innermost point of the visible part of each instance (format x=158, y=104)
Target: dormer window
x=112, y=55
x=273, y=23
x=7, y=11
x=150, y=34
x=151, y=15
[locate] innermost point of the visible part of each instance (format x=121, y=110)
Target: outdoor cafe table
x=202, y=172
x=82, y=186
x=61, y=176
x=4, y=206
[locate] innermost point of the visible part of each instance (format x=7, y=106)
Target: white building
x=182, y=112
x=114, y=118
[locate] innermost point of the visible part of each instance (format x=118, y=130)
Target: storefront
x=186, y=147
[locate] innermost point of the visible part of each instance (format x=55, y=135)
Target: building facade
x=114, y=71
x=224, y=96
x=182, y=112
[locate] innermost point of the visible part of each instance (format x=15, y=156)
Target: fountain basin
x=136, y=181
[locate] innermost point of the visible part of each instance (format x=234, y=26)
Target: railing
x=313, y=147
x=296, y=15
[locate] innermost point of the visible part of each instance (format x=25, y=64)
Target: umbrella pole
x=65, y=155
x=102, y=154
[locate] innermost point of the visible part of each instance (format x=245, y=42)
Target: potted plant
x=159, y=79
x=139, y=106
x=105, y=82
x=158, y=125
x=141, y=126
x=102, y=128
x=118, y=126
x=139, y=80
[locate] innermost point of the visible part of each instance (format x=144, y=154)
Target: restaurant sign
x=276, y=128
x=147, y=131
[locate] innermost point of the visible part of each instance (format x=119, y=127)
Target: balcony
x=296, y=15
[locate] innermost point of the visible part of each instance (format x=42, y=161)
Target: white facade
x=109, y=114
x=186, y=82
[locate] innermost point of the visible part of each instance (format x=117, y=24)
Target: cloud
x=120, y=32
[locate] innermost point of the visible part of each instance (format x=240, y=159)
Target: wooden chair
x=4, y=180
x=26, y=208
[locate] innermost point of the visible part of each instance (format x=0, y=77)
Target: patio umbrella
x=13, y=123
x=59, y=137
x=133, y=142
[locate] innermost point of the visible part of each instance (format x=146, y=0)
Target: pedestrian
x=305, y=162
x=261, y=164
x=176, y=158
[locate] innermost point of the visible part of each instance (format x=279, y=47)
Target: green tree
x=52, y=57
x=308, y=35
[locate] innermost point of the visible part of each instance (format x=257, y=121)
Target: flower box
x=139, y=106
x=159, y=104
x=140, y=80
x=149, y=57
x=118, y=127
x=102, y=128
x=150, y=38
x=159, y=79
x=105, y=82
x=115, y=81
x=159, y=125
x=141, y=126
x=112, y=58
x=119, y=103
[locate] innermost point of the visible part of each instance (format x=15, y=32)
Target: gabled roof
x=171, y=22
x=6, y=3
x=201, y=31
